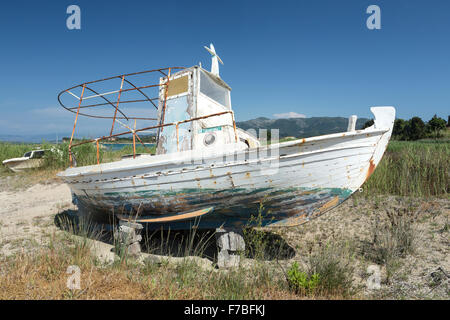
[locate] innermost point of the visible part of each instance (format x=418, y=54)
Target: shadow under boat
x=259, y=243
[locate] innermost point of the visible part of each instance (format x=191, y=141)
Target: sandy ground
x=27, y=217
x=26, y=214
x=424, y=274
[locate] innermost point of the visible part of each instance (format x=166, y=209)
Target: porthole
x=209, y=139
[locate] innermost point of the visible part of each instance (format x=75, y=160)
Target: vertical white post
x=352, y=123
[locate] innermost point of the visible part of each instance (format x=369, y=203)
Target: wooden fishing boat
x=208, y=170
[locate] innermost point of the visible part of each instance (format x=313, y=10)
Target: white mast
x=215, y=60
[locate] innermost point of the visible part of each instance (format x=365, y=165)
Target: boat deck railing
x=119, y=113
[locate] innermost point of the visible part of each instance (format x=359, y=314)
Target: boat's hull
x=295, y=181
x=231, y=208
x=19, y=165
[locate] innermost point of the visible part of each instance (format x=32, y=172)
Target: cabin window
x=213, y=90
x=38, y=154
x=26, y=155
x=178, y=86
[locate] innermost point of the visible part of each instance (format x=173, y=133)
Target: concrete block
x=227, y=260
x=230, y=239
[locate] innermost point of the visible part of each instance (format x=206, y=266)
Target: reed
x=418, y=169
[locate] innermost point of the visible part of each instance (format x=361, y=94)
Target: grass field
x=417, y=169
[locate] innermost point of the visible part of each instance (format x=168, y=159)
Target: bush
x=329, y=272
x=256, y=240
x=415, y=128
x=300, y=281
x=394, y=239
x=435, y=126
x=333, y=264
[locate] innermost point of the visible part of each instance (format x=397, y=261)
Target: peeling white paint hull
x=297, y=180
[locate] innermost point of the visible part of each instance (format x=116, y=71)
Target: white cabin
x=195, y=93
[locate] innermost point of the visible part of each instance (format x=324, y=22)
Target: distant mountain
x=30, y=138
x=301, y=127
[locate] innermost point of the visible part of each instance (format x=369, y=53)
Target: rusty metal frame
x=108, y=102
x=116, y=118
x=155, y=127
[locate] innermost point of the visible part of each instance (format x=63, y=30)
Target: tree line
x=415, y=128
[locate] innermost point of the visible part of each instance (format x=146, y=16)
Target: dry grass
x=392, y=238
x=395, y=238
x=42, y=275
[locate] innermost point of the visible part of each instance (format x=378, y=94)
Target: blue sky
x=315, y=58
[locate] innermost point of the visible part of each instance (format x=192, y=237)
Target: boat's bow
x=354, y=161
x=384, y=120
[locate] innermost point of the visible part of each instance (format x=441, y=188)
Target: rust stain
x=328, y=205
x=231, y=180
x=294, y=221
x=301, y=143
x=333, y=202
x=371, y=169
x=247, y=175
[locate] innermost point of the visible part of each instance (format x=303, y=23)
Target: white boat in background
x=206, y=167
x=30, y=160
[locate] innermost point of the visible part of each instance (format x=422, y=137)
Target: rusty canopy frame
x=123, y=78
x=166, y=72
